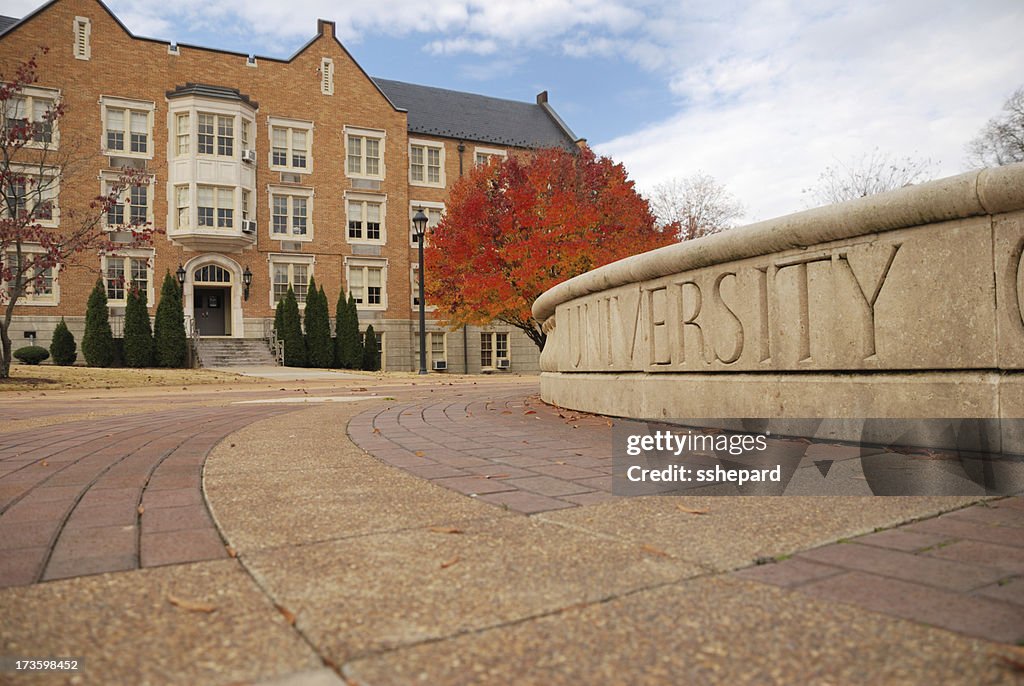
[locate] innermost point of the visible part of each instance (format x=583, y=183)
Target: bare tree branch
x=697, y=204
x=1001, y=141
x=873, y=173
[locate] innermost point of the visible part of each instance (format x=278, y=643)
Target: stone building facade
x=283, y=168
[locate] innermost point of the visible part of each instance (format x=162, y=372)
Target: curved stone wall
x=906, y=304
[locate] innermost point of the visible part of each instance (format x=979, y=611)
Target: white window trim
x=54, y=174
x=494, y=348
x=421, y=142
x=380, y=135
x=424, y=204
x=87, y=23
x=414, y=283
x=379, y=199
x=361, y=262
x=117, y=102
x=497, y=152
x=110, y=177
x=30, y=94
x=430, y=347
x=30, y=298
x=287, y=258
x=327, y=76
x=300, y=124
x=236, y=214
x=296, y=191
x=150, y=256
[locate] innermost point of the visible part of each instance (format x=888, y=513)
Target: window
x=128, y=126
x=288, y=271
x=436, y=347
x=40, y=283
x=181, y=202
x=291, y=210
x=35, y=195
x=365, y=218
x=485, y=155
x=246, y=204
x=183, y=134
x=493, y=347
x=366, y=279
x=131, y=207
x=327, y=76
x=83, y=30
x=215, y=135
x=415, y=289
x=246, y=135
x=290, y=145
x=216, y=207
x=124, y=272
x=434, y=212
x=29, y=116
x=426, y=163
x=364, y=151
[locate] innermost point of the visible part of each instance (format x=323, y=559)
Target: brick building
x=282, y=168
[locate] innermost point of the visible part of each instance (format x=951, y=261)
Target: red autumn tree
x=515, y=228
x=37, y=165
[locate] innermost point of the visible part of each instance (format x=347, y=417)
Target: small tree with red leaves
x=37, y=233
x=515, y=228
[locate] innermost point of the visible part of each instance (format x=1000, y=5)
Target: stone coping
x=975, y=193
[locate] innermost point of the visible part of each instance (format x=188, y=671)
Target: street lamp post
x=419, y=222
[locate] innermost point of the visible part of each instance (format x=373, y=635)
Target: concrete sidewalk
x=340, y=563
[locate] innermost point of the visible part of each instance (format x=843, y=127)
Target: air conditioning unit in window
x=503, y=363
x=248, y=226
x=440, y=365
x=249, y=156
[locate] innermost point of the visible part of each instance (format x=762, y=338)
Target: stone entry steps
x=235, y=352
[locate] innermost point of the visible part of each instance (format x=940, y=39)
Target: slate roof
x=212, y=92
x=7, y=22
x=467, y=116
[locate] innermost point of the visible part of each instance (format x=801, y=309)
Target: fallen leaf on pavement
x=449, y=563
x=376, y=431
x=44, y=463
x=288, y=615
x=419, y=453
x=530, y=412
x=190, y=605
x=653, y=551
x=141, y=509
x=446, y=530
x=231, y=551
x=496, y=476
x=690, y=510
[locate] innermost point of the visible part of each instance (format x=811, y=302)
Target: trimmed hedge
x=318, y=328
x=138, y=336
x=63, y=349
x=98, y=341
x=170, y=347
x=371, y=356
x=32, y=354
x=291, y=333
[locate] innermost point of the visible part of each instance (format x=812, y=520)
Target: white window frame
x=366, y=263
x=30, y=297
x=236, y=133
x=290, y=125
x=490, y=152
x=430, y=347
x=291, y=192
x=378, y=134
x=108, y=178
x=494, y=348
x=127, y=105
x=425, y=144
x=30, y=94
x=290, y=259
x=128, y=255
x=367, y=199
x=81, y=24
x=414, y=284
x=425, y=205
x=236, y=216
x=52, y=191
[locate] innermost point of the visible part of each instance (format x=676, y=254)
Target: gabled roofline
x=321, y=25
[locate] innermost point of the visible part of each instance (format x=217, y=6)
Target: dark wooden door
x=209, y=310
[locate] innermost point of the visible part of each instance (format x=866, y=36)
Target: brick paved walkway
x=506, y=449
x=112, y=494
x=962, y=571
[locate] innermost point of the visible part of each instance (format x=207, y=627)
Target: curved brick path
x=504, y=448
x=112, y=494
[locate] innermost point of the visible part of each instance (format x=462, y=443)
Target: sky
x=761, y=94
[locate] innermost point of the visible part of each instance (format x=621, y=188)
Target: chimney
x=325, y=28
x=542, y=97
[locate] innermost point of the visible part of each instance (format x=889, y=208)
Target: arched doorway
x=212, y=295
